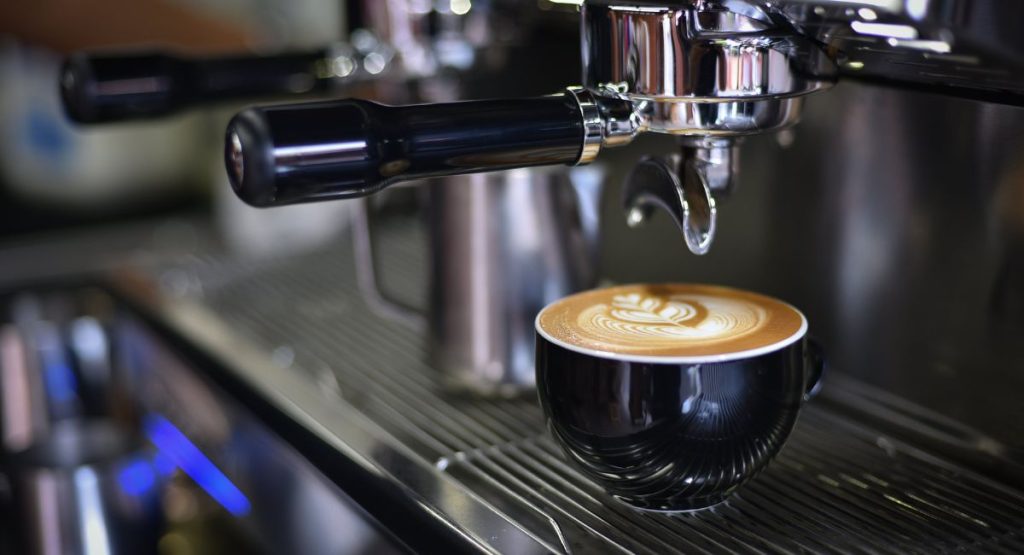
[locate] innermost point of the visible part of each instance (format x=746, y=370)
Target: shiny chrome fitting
x=608, y=120
x=695, y=68
x=593, y=124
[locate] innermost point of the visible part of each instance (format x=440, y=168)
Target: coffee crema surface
x=674, y=321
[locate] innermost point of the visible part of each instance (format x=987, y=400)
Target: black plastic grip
x=350, y=148
x=98, y=89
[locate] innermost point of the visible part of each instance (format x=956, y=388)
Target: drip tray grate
x=838, y=486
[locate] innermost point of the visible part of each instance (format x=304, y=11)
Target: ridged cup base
x=674, y=505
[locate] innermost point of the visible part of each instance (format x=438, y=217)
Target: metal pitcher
x=502, y=245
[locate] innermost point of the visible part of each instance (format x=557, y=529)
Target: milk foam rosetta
x=670, y=320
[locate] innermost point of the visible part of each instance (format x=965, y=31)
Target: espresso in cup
x=671, y=396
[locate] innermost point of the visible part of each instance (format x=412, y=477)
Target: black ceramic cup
x=672, y=429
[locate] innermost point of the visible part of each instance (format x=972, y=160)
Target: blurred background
x=57, y=175
x=147, y=183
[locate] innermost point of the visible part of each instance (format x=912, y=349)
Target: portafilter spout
x=685, y=185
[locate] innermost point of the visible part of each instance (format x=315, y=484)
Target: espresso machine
x=850, y=214
x=862, y=156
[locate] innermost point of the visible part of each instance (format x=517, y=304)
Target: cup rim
x=690, y=359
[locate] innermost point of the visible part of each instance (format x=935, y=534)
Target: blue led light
x=177, y=447
x=58, y=378
x=136, y=476
x=60, y=381
x=163, y=464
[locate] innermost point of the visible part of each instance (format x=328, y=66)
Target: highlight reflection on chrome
x=173, y=444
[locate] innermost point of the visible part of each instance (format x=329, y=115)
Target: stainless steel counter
x=864, y=470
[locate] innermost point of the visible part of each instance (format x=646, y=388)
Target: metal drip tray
x=488, y=471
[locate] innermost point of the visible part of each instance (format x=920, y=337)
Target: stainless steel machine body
x=502, y=245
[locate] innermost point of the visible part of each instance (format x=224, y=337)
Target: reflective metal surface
x=893, y=219
x=684, y=186
x=70, y=497
x=609, y=119
x=423, y=39
x=502, y=245
x=863, y=470
x=69, y=431
x=298, y=511
x=676, y=188
x=702, y=70
x=697, y=52
x=719, y=119
x=971, y=49
x=153, y=457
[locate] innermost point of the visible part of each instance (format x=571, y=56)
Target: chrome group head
x=709, y=72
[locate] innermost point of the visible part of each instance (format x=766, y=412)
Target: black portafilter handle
x=112, y=88
x=350, y=148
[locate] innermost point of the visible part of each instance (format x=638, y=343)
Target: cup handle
x=814, y=358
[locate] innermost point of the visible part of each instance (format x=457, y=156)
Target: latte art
x=674, y=320
x=652, y=321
